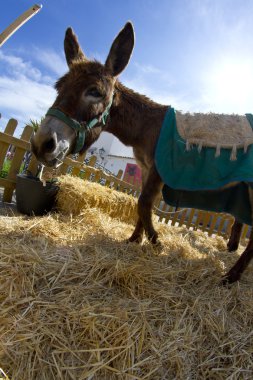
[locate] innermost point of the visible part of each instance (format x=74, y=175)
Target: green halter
x=80, y=128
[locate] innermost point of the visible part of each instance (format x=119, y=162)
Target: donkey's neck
x=134, y=118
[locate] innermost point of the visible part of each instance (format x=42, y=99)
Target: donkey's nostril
x=49, y=145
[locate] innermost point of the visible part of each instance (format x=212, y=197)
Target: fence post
x=119, y=175
x=16, y=164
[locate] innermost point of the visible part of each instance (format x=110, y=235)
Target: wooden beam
x=22, y=19
x=14, y=141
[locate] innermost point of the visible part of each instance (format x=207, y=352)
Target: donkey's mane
x=137, y=100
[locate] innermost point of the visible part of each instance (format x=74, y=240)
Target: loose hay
x=77, y=302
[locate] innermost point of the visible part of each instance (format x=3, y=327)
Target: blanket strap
x=217, y=152
x=233, y=153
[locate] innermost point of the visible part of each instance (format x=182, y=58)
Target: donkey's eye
x=95, y=93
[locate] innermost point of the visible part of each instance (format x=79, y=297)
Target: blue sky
x=196, y=55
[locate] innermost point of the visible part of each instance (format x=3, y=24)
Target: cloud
x=223, y=84
x=51, y=60
x=25, y=91
x=25, y=97
x=16, y=66
x=147, y=69
x=158, y=85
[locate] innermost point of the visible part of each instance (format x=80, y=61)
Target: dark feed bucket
x=32, y=197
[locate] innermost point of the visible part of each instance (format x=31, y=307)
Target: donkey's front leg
x=147, y=198
x=137, y=235
x=235, y=235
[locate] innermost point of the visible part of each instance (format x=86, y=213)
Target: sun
x=232, y=78
x=229, y=85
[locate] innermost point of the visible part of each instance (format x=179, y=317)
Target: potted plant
x=33, y=196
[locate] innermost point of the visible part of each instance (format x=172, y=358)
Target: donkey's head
x=85, y=95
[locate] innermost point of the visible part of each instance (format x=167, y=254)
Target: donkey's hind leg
x=235, y=272
x=235, y=235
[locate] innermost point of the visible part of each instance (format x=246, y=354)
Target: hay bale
x=77, y=302
x=75, y=195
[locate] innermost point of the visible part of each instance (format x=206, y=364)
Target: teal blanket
x=193, y=179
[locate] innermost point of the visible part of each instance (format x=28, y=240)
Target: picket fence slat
x=4, y=146
x=210, y=222
x=245, y=231
x=33, y=166
x=190, y=218
x=229, y=226
x=76, y=170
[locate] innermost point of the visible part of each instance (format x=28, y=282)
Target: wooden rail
x=8, y=32
x=210, y=222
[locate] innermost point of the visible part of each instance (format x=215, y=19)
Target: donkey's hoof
x=225, y=281
x=153, y=238
x=135, y=239
x=229, y=279
x=232, y=246
x=158, y=247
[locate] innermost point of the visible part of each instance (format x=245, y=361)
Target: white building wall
x=114, y=163
x=111, y=153
x=104, y=141
x=111, y=145
x=119, y=149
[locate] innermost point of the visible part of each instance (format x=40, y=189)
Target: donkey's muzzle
x=48, y=151
x=49, y=145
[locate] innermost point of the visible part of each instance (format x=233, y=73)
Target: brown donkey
x=91, y=100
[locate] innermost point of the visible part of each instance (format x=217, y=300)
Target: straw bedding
x=78, y=302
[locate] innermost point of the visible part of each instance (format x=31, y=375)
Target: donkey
x=90, y=100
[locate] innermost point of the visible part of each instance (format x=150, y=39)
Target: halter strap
x=82, y=127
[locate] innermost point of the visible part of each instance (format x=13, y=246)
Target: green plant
x=5, y=169
x=35, y=123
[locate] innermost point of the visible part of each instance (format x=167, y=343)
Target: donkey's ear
x=72, y=49
x=121, y=50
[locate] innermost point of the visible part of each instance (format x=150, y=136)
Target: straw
x=76, y=194
x=79, y=302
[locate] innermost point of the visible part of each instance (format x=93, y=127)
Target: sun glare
x=232, y=79
x=229, y=86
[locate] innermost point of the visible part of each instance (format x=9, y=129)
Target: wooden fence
x=212, y=223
